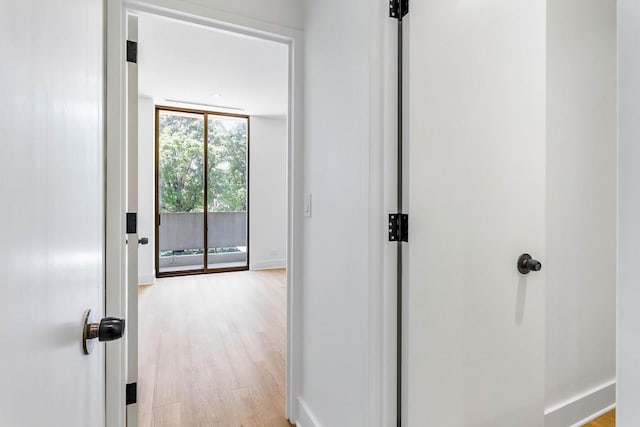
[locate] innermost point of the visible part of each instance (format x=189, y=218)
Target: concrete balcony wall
x=182, y=231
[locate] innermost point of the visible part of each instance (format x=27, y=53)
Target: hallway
x=212, y=350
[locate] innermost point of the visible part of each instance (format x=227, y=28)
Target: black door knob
x=143, y=241
x=108, y=329
x=526, y=264
x=111, y=328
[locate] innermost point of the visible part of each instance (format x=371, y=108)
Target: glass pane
x=227, y=195
x=181, y=191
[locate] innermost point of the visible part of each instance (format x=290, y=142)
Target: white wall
x=628, y=368
x=581, y=208
x=285, y=13
x=335, y=381
x=146, y=189
x=268, y=193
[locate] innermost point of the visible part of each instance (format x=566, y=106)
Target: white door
x=51, y=211
x=132, y=207
x=474, y=351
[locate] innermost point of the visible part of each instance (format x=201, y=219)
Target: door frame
x=116, y=292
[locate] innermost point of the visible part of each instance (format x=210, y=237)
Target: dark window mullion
x=206, y=192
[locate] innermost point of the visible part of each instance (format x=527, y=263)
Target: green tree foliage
x=181, y=161
x=227, y=165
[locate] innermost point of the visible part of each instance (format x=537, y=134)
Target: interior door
x=52, y=192
x=474, y=339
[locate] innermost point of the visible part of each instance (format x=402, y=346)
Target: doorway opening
x=213, y=106
x=201, y=191
x=122, y=288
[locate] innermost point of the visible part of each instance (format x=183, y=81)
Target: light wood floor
x=607, y=420
x=212, y=351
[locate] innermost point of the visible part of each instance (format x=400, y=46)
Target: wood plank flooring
x=607, y=420
x=212, y=351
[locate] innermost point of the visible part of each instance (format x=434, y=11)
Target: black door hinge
x=131, y=393
x=132, y=51
x=132, y=223
x=398, y=8
x=398, y=227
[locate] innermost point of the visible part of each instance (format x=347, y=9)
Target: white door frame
x=116, y=294
x=132, y=206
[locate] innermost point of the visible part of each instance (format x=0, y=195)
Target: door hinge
x=398, y=227
x=132, y=393
x=398, y=8
x=132, y=51
x=132, y=223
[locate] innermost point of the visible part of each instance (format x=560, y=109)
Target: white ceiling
x=185, y=62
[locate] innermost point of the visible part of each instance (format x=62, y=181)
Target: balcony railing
x=182, y=231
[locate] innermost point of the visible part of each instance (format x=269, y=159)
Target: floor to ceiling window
x=202, y=191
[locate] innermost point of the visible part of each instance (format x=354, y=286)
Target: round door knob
x=111, y=328
x=108, y=329
x=526, y=264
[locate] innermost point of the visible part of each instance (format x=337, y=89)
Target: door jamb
x=115, y=207
x=383, y=200
x=116, y=295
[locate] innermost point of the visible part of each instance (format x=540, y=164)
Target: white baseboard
x=146, y=279
x=268, y=264
x=305, y=416
x=582, y=408
x=594, y=416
